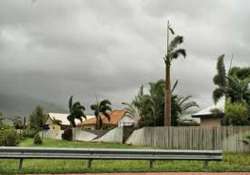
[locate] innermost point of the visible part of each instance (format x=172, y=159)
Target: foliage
x=8, y=136
x=37, y=139
x=67, y=134
x=235, y=85
x=18, y=122
x=151, y=105
x=173, y=51
x=100, y=109
x=220, y=80
x=37, y=119
x=237, y=114
x=240, y=73
x=76, y=111
x=132, y=111
x=239, y=90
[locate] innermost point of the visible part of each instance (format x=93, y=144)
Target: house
x=212, y=115
x=59, y=121
x=118, y=118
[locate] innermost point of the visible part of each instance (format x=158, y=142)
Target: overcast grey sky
x=50, y=50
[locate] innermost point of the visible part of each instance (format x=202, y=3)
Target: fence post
x=89, y=163
x=20, y=164
x=151, y=163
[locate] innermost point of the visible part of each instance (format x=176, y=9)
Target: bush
x=67, y=134
x=37, y=140
x=9, y=137
x=236, y=114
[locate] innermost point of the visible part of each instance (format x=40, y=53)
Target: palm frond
x=171, y=30
x=191, y=104
x=218, y=93
x=182, y=100
x=93, y=107
x=105, y=102
x=177, y=53
x=175, y=42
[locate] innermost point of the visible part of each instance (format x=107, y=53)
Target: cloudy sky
x=92, y=49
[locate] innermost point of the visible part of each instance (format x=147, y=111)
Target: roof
x=220, y=105
x=63, y=118
x=115, y=117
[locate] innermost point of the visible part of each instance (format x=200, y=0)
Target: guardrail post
x=151, y=163
x=20, y=164
x=205, y=165
x=89, y=163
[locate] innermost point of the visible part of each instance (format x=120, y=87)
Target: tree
x=236, y=113
x=76, y=111
x=181, y=105
x=240, y=72
x=234, y=85
x=151, y=105
x=173, y=52
x=101, y=109
x=18, y=122
x=132, y=111
x=37, y=118
x=220, y=80
x=239, y=90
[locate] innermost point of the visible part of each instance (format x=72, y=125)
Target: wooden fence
x=229, y=139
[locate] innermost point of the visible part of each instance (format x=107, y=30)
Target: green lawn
x=232, y=162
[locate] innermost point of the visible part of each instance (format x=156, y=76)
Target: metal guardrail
x=108, y=154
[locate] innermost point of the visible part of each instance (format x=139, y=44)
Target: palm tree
x=101, y=108
x=173, y=52
x=185, y=103
x=238, y=90
x=181, y=105
x=76, y=111
x=132, y=111
x=233, y=87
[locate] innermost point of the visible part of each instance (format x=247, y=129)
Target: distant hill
x=14, y=105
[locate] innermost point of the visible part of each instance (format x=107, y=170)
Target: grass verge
x=231, y=162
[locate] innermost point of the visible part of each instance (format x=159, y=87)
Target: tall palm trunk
x=167, y=111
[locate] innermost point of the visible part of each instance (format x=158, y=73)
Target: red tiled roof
x=115, y=117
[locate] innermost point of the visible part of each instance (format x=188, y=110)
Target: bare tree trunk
x=167, y=111
x=167, y=107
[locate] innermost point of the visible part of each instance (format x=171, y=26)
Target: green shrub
x=9, y=137
x=236, y=114
x=37, y=140
x=67, y=134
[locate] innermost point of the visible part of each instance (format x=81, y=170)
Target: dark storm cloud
x=106, y=49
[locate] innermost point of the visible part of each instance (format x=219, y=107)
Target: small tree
x=101, y=108
x=236, y=114
x=37, y=140
x=76, y=111
x=18, y=122
x=37, y=118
